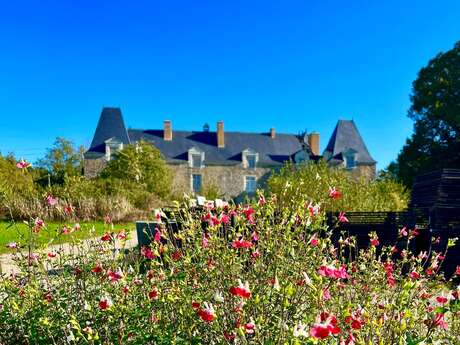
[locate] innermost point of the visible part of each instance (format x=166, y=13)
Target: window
x=251, y=159
x=250, y=184
x=112, y=146
x=196, y=160
x=350, y=161
x=196, y=182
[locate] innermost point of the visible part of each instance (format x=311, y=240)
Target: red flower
x=106, y=237
x=457, y=271
x=334, y=194
x=52, y=255
x=375, y=242
x=241, y=244
x=414, y=275
x=207, y=314
x=97, y=268
x=105, y=303
x=250, y=327
x=441, y=300
x=332, y=272
x=153, y=294
x=314, y=242
x=326, y=328
x=157, y=237
x=114, y=276
x=68, y=209
x=241, y=290
x=147, y=253
x=176, y=255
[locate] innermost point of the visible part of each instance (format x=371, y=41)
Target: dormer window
x=250, y=159
x=350, y=159
x=112, y=146
x=195, y=158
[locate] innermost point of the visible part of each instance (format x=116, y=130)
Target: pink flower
x=66, y=230
x=332, y=272
x=241, y=290
x=157, y=237
x=22, y=164
x=403, y=232
x=255, y=236
x=224, y=218
x=241, y=244
x=250, y=327
x=326, y=294
x=147, y=253
x=314, y=241
x=262, y=200
x=334, y=194
x=439, y=321
x=205, y=241
x=12, y=245
x=342, y=218
x=121, y=235
x=249, y=214
x=51, y=200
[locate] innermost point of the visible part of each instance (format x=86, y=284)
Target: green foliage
x=272, y=279
x=210, y=191
x=435, y=143
x=61, y=161
x=140, y=166
x=313, y=181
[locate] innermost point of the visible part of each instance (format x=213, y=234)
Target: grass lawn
x=19, y=232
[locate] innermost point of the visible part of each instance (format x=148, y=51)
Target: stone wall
x=366, y=171
x=92, y=167
x=228, y=178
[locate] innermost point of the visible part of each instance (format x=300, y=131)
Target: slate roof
x=272, y=151
x=345, y=137
x=110, y=125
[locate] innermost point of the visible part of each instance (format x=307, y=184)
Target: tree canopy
x=140, y=165
x=435, y=109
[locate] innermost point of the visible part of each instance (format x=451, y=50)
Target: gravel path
x=7, y=265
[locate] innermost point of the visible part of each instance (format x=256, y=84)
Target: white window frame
x=246, y=182
x=192, y=152
x=245, y=154
x=112, y=146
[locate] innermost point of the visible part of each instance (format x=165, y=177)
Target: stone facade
x=368, y=172
x=93, y=167
x=230, y=179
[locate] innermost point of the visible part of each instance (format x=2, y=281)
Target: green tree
x=61, y=161
x=435, y=110
x=140, y=166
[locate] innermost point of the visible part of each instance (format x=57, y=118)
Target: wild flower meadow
x=272, y=277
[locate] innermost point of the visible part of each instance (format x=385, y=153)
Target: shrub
x=312, y=182
x=275, y=278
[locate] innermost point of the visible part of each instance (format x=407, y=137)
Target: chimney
x=313, y=142
x=167, y=130
x=272, y=133
x=220, y=135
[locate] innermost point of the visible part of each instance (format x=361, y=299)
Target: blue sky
x=292, y=65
